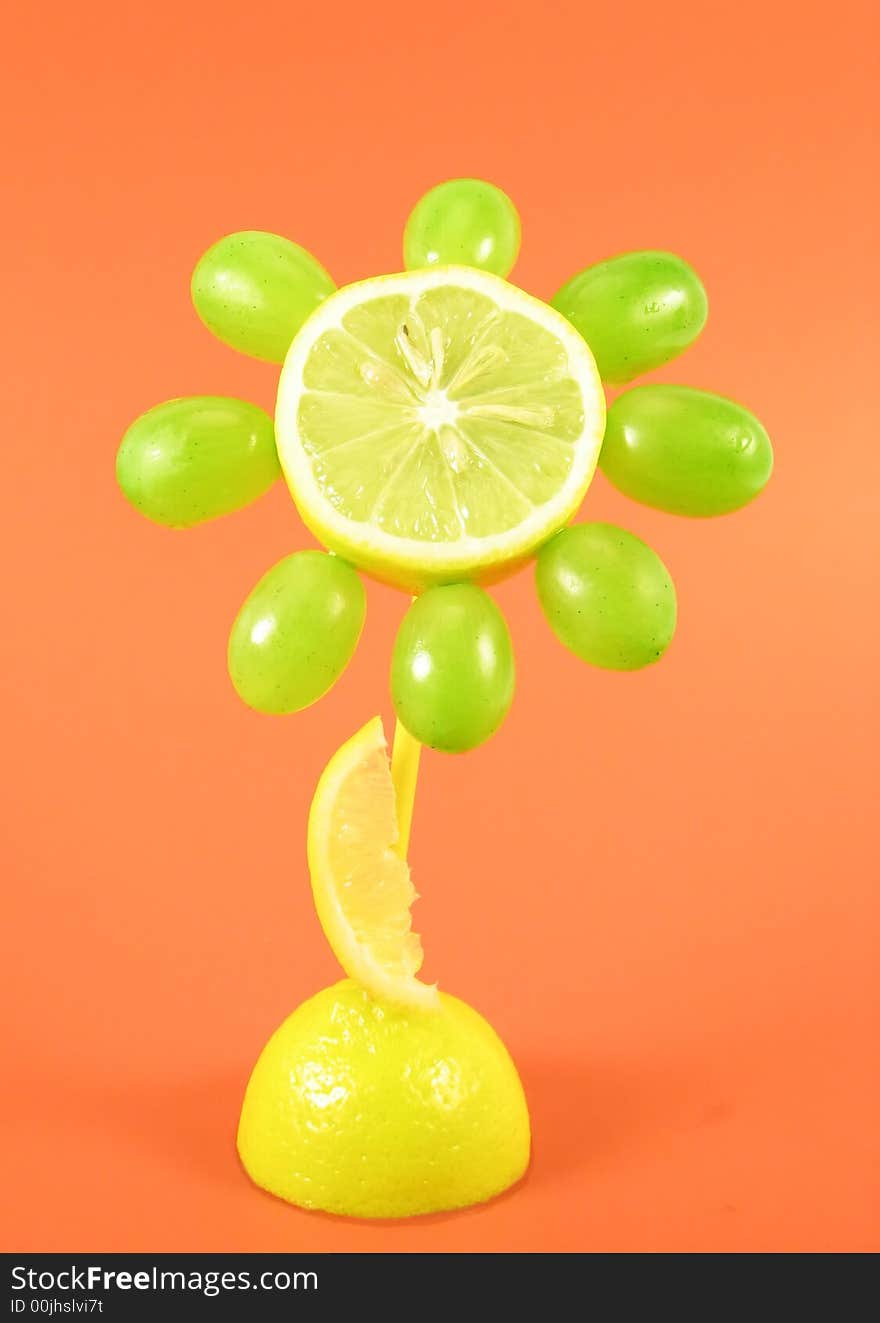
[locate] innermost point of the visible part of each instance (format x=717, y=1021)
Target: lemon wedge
x=362, y=888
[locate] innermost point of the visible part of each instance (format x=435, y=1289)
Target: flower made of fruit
x=438, y=429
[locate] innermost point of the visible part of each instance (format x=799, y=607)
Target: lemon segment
x=362, y=888
x=438, y=424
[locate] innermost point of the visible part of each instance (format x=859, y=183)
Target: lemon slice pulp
x=438, y=424
x=362, y=887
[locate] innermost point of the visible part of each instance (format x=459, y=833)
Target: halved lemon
x=438, y=425
x=361, y=885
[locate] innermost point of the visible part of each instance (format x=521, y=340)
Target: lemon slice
x=361, y=886
x=437, y=424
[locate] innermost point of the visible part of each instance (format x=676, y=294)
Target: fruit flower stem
x=405, y=754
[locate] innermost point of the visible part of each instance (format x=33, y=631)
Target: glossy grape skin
x=685, y=451
x=464, y=222
x=254, y=291
x=296, y=632
x=636, y=312
x=607, y=596
x=196, y=458
x=452, y=669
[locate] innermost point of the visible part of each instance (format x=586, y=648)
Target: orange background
x=656, y=886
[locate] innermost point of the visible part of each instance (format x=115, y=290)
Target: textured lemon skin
x=363, y=1109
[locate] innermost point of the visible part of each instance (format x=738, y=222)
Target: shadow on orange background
x=656, y=886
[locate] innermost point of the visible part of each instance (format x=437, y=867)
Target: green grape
x=194, y=459
x=255, y=290
x=636, y=311
x=685, y=451
x=607, y=596
x=464, y=222
x=296, y=632
x=452, y=669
